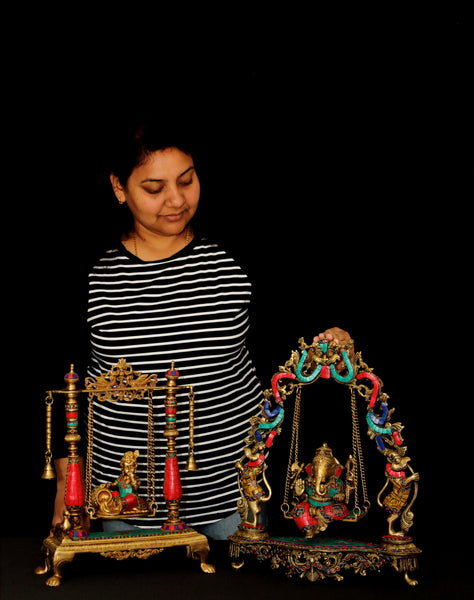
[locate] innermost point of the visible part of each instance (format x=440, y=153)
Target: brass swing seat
x=316, y=493
x=71, y=536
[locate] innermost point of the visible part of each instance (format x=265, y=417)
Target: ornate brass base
x=320, y=558
x=247, y=532
x=61, y=549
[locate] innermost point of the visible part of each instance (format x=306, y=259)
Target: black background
x=331, y=166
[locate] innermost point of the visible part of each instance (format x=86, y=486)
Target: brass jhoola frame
x=318, y=557
x=71, y=537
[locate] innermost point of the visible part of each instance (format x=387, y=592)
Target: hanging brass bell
x=48, y=472
x=191, y=463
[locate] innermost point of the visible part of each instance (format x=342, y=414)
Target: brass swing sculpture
x=119, y=499
x=317, y=494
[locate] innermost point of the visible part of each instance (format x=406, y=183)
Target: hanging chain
x=191, y=428
x=359, y=467
x=355, y=450
x=48, y=455
x=90, y=447
x=294, y=452
x=151, y=454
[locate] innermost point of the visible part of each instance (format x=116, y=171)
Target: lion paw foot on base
x=53, y=581
x=207, y=568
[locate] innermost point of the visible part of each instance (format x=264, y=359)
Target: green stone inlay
x=102, y=535
x=328, y=543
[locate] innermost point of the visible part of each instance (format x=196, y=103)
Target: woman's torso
x=191, y=309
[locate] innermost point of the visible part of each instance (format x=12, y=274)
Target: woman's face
x=162, y=193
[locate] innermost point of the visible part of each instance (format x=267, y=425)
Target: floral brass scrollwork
x=121, y=383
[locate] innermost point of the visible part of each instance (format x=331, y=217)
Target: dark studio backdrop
x=325, y=183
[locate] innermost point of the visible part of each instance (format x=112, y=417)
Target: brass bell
x=191, y=463
x=48, y=472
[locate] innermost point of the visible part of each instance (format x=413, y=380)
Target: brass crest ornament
x=121, y=383
x=323, y=491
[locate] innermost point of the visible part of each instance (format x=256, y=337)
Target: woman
x=167, y=293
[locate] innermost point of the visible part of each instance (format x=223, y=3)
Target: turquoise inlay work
x=324, y=543
x=316, y=503
x=133, y=533
x=350, y=373
x=313, y=375
x=323, y=346
x=274, y=423
x=374, y=427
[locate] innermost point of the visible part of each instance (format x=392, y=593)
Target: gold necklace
x=187, y=239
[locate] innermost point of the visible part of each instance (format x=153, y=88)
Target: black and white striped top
x=191, y=308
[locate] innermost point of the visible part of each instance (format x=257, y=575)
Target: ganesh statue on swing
x=321, y=495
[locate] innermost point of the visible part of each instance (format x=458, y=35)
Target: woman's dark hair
x=133, y=141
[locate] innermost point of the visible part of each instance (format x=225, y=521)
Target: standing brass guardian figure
x=325, y=490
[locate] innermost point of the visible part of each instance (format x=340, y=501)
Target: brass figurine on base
x=324, y=491
x=121, y=498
